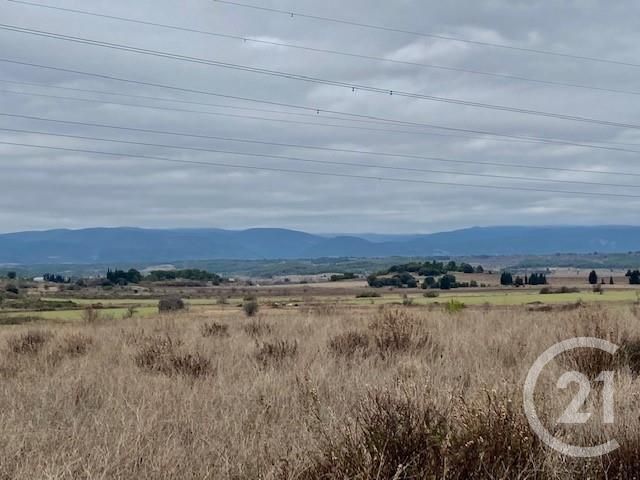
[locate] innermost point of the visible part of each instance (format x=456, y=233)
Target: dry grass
x=402, y=393
x=28, y=343
x=215, y=329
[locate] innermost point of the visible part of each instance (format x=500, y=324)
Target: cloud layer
x=45, y=188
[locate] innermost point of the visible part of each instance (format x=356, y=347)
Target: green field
x=118, y=307
x=506, y=298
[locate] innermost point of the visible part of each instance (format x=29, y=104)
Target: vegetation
x=341, y=394
x=187, y=274
x=400, y=280
x=250, y=306
x=507, y=279
x=549, y=290
x=171, y=304
x=55, y=278
x=368, y=294
x=343, y=276
x=120, y=277
x=432, y=268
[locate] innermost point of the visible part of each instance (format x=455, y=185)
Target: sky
x=388, y=182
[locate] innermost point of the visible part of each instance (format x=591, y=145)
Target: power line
x=503, y=76
x=325, y=174
x=317, y=110
x=293, y=14
x=321, y=162
x=316, y=80
x=509, y=138
x=165, y=99
x=308, y=147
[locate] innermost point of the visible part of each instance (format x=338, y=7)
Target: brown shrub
x=29, y=343
x=396, y=331
x=629, y=355
x=276, y=352
x=214, y=329
x=155, y=355
x=91, y=315
x=161, y=355
x=76, y=345
x=492, y=439
x=257, y=328
x=191, y=365
x=171, y=304
x=388, y=437
x=349, y=344
x=250, y=306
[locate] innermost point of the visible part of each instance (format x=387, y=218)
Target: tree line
x=507, y=279
x=122, y=277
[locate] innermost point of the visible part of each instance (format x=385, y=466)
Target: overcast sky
x=45, y=188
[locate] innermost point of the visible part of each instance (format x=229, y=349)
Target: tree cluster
x=186, y=274
x=400, y=280
x=54, y=278
x=433, y=268
x=343, y=276
x=120, y=277
x=634, y=277
x=507, y=279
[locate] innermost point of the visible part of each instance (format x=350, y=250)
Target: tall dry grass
x=367, y=394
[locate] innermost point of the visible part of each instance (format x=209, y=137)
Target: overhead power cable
x=317, y=80
x=317, y=110
x=321, y=162
x=325, y=174
x=503, y=76
x=294, y=14
x=509, y=138
x=308, y=147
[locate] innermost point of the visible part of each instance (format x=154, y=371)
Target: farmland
x=96, y=382
x=323, y=388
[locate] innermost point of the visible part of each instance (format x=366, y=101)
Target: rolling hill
x=96, y=245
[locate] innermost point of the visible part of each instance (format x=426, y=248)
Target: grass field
x=318, y=393
x=510, y=297
x=118, y=307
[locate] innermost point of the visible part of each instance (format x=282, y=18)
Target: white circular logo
x=572, y=414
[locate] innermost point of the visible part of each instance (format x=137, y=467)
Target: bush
x=161, y=355
x=275, y=353
x=368, y=295
x=75, y=345
x=29, y=343
x=388, y=438
x=550, y=291
x=222, y=300
x=395, y=331
x=250, y=306
x=257, y=328
x=349, y=344
x=11, y=288
x=431, y=294
x=171, y=304
x=214, y=330
x=629, y=355
x=191, y=365
x=494, y=440
x=454, y=306
x=90, y=315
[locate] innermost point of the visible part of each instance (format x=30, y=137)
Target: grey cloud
x=46, y=189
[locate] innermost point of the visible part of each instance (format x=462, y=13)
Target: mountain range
x=124, y=244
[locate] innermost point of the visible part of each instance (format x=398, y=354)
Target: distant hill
x=99, y=245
